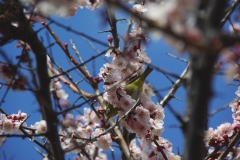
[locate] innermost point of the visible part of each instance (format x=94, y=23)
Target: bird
x=133, y=88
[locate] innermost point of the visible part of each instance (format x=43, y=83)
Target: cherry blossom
x=41, y=127
x=8, y=126
x=104, y=142
x=142, y=115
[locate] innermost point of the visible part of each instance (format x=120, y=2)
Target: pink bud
x=110, y=39
x=44, y=23
x=100, y=79
x=66, y=45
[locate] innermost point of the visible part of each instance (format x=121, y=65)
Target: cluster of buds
x=24, y=58
x=7, y=71
x=8, y=74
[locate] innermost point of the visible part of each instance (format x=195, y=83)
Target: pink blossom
x=8, y=126
x=64, y=103
x=150, y=106
x=58, y=85
x=236, y=116
x=135, y=150
x=89, y=130
x=120, y=62
x=127, y=102
x=41, y=127
x=148, y=90
x=69, y=120
x=129, y=124
x=235, y=105
x=21, y=116
x=61, y=94
x=143, y=57
x=209, y=134
x=159, y=112
x=157, y=126
x=225, y=128
x=111, y=95
x=90, y=117
x=142, y=115
x=141, y=129
x=82, y=133
x=105, y=141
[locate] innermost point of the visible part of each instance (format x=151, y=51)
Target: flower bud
x=110, y=39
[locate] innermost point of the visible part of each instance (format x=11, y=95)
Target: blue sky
x=90, y=23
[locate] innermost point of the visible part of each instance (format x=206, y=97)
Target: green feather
x=133, y=88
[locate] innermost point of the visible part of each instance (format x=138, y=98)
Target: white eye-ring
x=108, y=110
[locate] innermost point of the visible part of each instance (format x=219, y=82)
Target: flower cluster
x=218, y=138
x=11, y=124
x=77, y=131
x=57, y=91
x=142, y=151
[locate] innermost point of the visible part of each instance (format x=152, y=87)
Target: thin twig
x=113, y=24
x=174, y=88
x=77, y=32
x=68, y=84
x=77, y=53
x=213, y=112
x=81, y=92
x=93, y=47
x=181, y=59
x=234, y=5
x=64, y=48
x=39, y=151
x=79, y=65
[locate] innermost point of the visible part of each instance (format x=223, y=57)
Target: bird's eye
x=108, y=110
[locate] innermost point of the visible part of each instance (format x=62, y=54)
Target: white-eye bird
x=133, y=88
